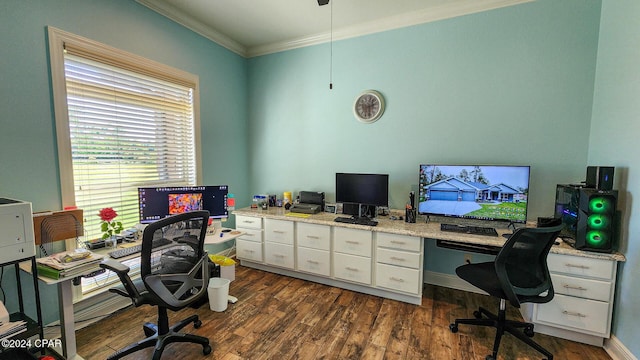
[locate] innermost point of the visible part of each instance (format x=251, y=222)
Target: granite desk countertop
x=422, y=228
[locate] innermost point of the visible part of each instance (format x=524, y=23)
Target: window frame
x=57, y=40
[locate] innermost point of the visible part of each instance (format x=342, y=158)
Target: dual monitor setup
x=492, y=193
x=477, y=192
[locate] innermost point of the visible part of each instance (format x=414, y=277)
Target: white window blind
x=127, y=130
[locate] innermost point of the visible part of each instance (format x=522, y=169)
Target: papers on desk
x=9, y=329
x=68, y=264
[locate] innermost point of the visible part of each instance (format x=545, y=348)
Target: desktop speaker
x=600, y=177
x=589, y=216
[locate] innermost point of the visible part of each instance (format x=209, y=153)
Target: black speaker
x=600, y=177
x=596, y=228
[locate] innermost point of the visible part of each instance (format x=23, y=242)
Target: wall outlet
x=467, y=258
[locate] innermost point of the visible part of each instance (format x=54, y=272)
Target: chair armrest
x=123, y=274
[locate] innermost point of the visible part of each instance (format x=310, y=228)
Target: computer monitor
x=483, y=192
x=357, y=190
x=156, y=203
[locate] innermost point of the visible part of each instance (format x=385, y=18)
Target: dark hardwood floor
x=279, y=317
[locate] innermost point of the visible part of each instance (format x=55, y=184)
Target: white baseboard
x=616, y=349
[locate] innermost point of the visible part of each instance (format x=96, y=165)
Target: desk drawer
x=352, y=268
x=279, y=255
x=576, y=265
x=580, y=287
x=400, y=242
x=571, y=312
x=280, y=231
x=352, y=241
x=313, y=236
x=314, y=261
x=249, y=250
x=248, y=222
x=400, y=258
x=251, y=235
x=398, y=278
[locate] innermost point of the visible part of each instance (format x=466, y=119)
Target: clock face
x=368, y=106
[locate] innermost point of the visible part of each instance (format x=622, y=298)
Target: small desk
x=65, y=294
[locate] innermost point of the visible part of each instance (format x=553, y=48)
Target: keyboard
x=120, y=253
x=356, y=221
x=475, y=230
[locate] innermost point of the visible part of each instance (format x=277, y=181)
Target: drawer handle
x=248, y=222
x=567, y=286
x=352, y=242
x=278, y=231
x=248, y=251
x=313, y=262
x=398, y=242
x=571, y=313
x=278, y=255
x=577, y=266
x=396, y=279
x=351, y=268
x=397, y=258
x=249, y=234
x=313, y=237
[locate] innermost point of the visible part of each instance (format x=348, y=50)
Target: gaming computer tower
x=589, y=212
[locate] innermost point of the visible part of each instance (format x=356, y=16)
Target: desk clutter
x=68, y=264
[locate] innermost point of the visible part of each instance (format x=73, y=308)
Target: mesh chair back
x=173, y=263
x=521, y=265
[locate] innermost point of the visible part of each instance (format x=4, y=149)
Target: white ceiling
x=258, y=27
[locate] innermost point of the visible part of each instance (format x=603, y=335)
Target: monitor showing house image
x=485, y=192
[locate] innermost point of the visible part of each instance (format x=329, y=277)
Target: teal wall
x=28, y=153
x=508, y=86
x=614, y=141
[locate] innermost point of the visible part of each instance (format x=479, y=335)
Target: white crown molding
x=390, y=23
x=196, y=26
x=450, y=10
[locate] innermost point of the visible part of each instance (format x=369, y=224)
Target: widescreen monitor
x=484, y=192
x=156, y=203
x=354, y=190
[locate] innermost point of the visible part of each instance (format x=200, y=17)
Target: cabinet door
x=313, y=236
x=580, y=287
x=251, y=235
x=398, y=278
x=400, y=242
x=572, y=312
x=352, y=268
x=248, y=222
x=279, y=231
x=249, y=250
x=279, y=255
x=314, y=261
x=583, y=266
x=352, y=241
x=400, y=258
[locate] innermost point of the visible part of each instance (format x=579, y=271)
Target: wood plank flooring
x=279, y=317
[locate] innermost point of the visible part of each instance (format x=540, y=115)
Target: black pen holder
x=410, y=215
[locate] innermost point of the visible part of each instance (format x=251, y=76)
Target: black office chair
x=519, y=274
x=172, y=276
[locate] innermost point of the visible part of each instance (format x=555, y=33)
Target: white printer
x=17, y=240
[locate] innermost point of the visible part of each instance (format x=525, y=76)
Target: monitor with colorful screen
x=156, y=203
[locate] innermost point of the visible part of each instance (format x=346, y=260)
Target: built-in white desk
x=387, y=260
x=65, y=291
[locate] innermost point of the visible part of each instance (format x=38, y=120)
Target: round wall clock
x=369, y=106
